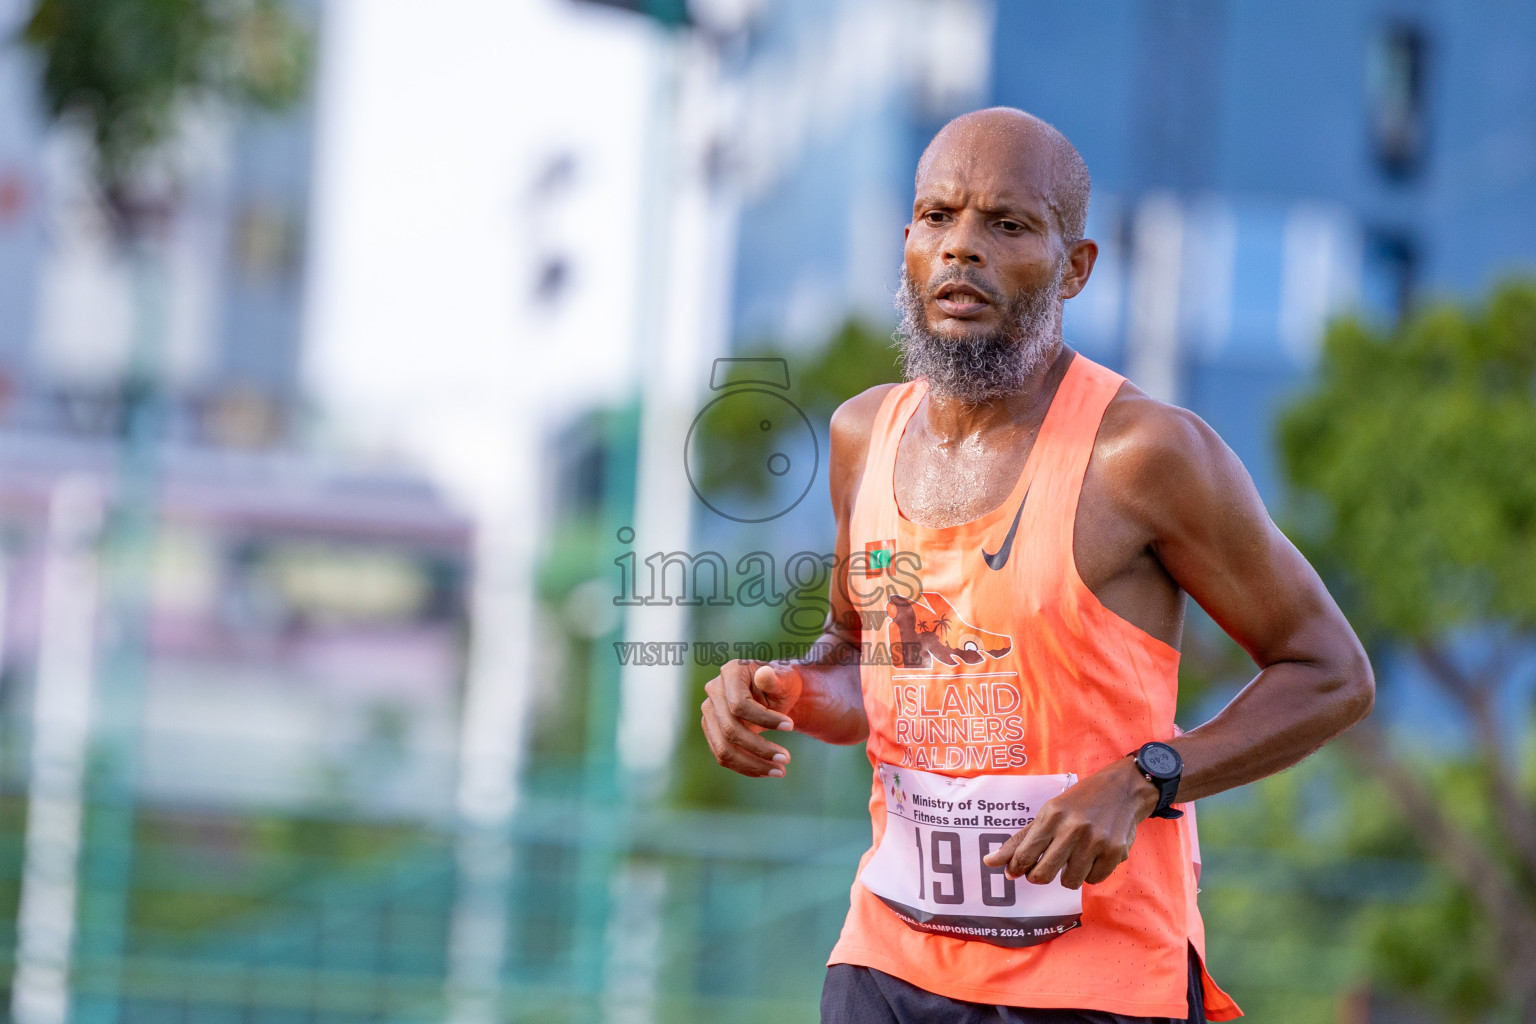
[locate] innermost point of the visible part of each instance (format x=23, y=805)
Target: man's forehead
x=1004, y=160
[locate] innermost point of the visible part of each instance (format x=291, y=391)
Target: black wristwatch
x=1162, y=766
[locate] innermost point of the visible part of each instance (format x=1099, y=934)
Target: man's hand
x=746, y=698
x=1083, y=834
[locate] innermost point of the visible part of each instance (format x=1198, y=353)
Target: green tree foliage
x=854, y=359
x=1415, y=464
x=1422, y=445
x=125, y=68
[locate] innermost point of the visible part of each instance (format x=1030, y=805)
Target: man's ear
x=1080, y=262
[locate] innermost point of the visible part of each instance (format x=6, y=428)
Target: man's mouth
x=960, y=300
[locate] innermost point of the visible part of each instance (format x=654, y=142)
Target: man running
x=1017, y=528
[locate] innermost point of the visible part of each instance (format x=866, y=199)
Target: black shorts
x=863, y=995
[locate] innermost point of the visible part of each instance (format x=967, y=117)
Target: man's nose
x=962, y=246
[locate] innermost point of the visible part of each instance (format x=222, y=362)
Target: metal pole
x=128, y=562
x=60, y=741
x=607, y=794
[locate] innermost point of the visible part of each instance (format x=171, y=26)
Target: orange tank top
x=999, y=599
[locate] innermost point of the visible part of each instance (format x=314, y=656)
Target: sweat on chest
x=944, y=491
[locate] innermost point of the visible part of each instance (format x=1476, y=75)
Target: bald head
x=1032, y=148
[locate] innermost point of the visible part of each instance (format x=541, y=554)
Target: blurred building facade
x=222, y=632
x=235, y=268
x=1258, y=169
x=841, y=99
x=236, y=484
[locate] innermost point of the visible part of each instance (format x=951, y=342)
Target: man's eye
x=934, y=217
x=1010, y=225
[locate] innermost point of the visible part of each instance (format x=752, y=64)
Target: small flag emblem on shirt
x=877, y=556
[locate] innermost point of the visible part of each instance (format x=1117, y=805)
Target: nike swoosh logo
x=999, y=558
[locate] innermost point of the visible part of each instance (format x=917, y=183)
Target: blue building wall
x=1266, y=112
x=260, y=319
x=845, y=97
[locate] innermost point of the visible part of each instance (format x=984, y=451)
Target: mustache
x=962, y=275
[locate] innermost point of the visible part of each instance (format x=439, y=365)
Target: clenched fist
x=744, y=700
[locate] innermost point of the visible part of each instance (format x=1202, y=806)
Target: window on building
x=1389, y=274
x=1396, y=99
x=580, y=468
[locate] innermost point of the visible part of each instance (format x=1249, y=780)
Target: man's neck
x=950, y=422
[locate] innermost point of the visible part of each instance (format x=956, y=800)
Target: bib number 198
x=997, y=889
x=928, y=868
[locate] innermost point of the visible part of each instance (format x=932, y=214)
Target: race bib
x=928, y=867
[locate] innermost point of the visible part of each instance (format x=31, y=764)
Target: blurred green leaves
x=126, y=68
x=855, y=359
x=1439, y=947
x=1417, y=459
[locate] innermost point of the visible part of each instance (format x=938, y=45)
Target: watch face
x=1160, y=760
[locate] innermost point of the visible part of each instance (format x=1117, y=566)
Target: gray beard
x=978, y=369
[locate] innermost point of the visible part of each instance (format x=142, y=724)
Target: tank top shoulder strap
x=876, y=488
x=1062, y=451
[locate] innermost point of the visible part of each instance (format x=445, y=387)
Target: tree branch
x=1515, y=816
x=1486, y=878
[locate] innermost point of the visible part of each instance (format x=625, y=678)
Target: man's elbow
x=1355, y=688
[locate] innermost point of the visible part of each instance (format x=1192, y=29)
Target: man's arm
x=821, y=695
x=1214, y=537
x=1168, y=476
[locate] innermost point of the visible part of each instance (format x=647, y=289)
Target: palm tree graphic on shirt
x=930, y=630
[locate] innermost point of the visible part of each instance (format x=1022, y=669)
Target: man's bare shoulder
x=850, y=429
x=1152, y=459
x=855, y=419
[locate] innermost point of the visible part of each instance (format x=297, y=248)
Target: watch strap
x=1165, y=793
x=1167, y=789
